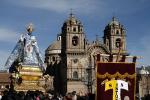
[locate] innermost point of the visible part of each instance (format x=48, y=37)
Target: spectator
x=74, y=96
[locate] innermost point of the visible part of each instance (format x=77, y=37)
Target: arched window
x=53, y=58
x=81, y=29
x=117, y=32
x=75, y=40
x=118, y=42
x=107, y=42
x=74, y=29
x=75, y=75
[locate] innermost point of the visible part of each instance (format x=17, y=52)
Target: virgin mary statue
x=26, y=52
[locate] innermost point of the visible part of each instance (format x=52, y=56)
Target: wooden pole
x=98, y=57
x=111, y=58
x=134, y=59
x=123, y=58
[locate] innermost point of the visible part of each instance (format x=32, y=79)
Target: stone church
x=71, y=58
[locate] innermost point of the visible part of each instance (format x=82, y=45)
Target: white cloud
x=102, y=7
x=83, y=6
x=7, y=35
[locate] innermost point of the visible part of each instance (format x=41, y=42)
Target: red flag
x=118, y=79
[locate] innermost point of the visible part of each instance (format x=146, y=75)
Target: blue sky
x=48, y=17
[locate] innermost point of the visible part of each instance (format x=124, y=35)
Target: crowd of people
x=38, y=95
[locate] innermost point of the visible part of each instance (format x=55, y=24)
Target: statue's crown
x=30, y=28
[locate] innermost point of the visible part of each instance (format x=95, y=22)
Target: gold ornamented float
x=31, y=79
x=26, y=64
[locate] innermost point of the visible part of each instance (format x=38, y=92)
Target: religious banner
x=116, y=81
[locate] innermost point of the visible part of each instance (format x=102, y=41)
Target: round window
x=75, y=60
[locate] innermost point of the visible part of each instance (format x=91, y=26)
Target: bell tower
x=73, y=48
x=115, y=37
x=73, y=38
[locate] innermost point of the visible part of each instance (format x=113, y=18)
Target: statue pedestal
x=31, y=79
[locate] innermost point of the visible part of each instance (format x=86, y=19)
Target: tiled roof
x=4, y=77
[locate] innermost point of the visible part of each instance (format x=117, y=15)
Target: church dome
x=114, y=21
x=56, y=45
x=72, y=20
x=144, y=71
x=54, y=48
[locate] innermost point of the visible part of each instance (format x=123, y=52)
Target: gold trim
x=31, y=73
x=116, y=62
x=31, y=68
x=117, y=74
x=30, y=78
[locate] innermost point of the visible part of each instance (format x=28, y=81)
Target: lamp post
x=89, y=80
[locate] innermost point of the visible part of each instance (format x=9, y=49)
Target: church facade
x=71, y=59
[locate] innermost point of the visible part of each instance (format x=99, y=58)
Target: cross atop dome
x=113, y=18
x=72, y=20
x=114, y=21
x=71, y=14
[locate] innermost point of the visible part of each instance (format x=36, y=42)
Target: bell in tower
x=115, y=37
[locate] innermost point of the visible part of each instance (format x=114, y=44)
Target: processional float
x=26, y=64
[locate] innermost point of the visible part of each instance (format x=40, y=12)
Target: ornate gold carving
x=31, y=77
